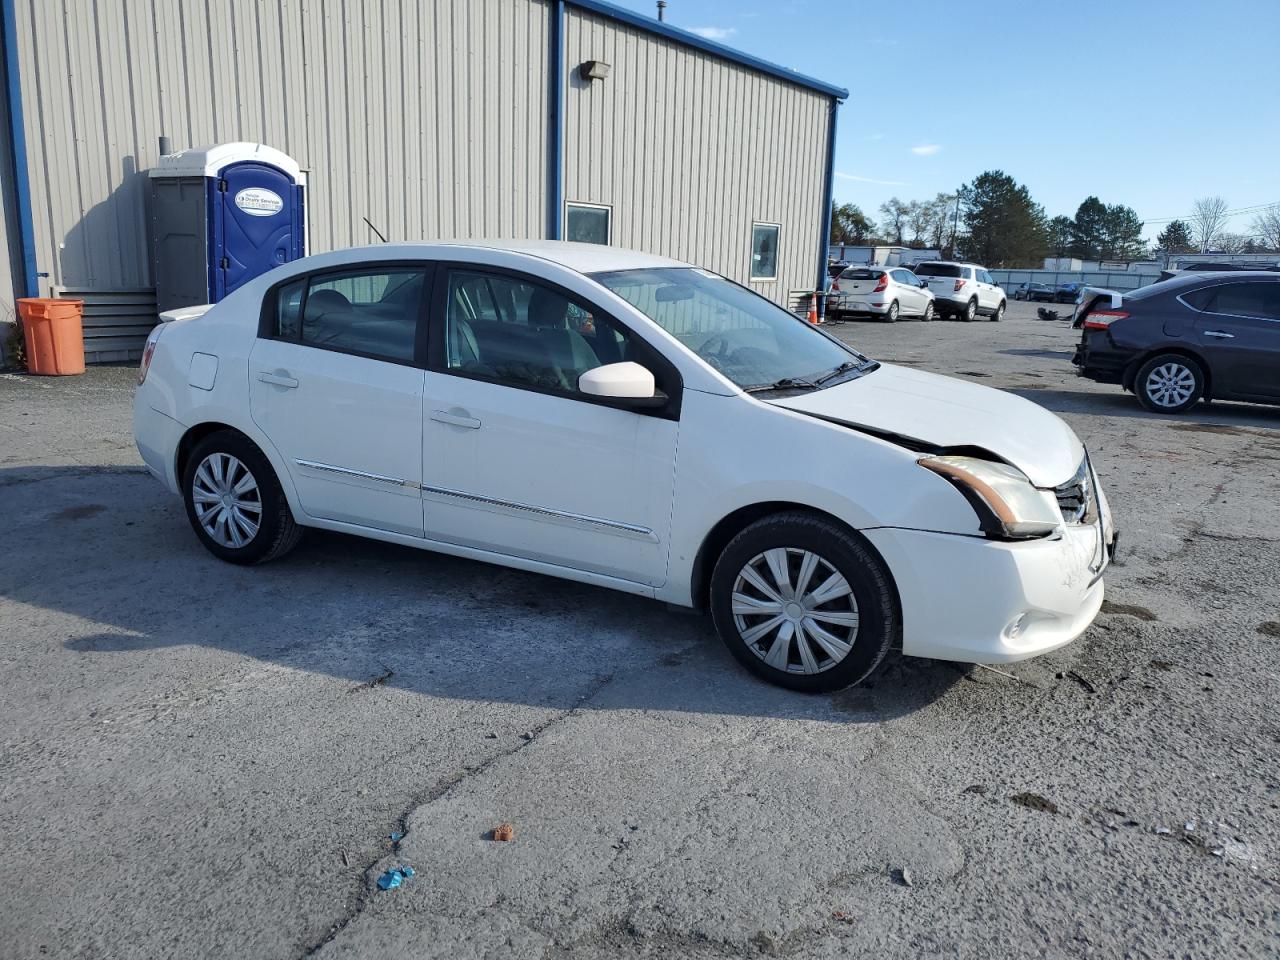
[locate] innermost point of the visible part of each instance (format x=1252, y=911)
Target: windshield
x=937, y=270
x=749, y=339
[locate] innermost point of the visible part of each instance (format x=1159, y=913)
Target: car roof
x=582, y=257
x=953, y=263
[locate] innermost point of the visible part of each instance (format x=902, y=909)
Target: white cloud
x=714, y=33
x=883, y=183
x=926, y=149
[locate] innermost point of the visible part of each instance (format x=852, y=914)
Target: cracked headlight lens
x=1007, y=503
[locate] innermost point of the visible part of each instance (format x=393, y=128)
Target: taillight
x=148, y=351
x=883, y=284
x=835, y=285
x=1101, y=319
x=960, y=285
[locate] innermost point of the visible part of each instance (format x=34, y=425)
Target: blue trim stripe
x=701, y=43
x=555, y=121
x=828, y=190
x=18, y=152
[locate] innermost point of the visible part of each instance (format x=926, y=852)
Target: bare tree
x=1231, y=243
x=895, y=218
x=919, y=218
x=1208, y=217
x=1266, y=228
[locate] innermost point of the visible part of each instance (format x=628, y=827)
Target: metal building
x=433, y=119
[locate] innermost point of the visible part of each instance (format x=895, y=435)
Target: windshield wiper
x=786, y=383
x=831, y=375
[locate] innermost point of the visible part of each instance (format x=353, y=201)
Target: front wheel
x=892, y=315
x=970, y=311
x=999, y=314
x=803, y=603
x=928, y=312
x=235, y=503
x=1169, y=383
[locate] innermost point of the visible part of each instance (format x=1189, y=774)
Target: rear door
x=335, y=382
x=910, y=297
x=1238, y=332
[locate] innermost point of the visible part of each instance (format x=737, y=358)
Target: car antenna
x=374, y=229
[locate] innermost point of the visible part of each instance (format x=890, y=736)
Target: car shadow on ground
x=1223, y=414
x=112, y=549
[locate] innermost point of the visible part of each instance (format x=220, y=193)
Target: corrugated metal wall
x=426, y=116
x=689, y=149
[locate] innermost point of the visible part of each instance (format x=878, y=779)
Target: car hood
x=945, y=412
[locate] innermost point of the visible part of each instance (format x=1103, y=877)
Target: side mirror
x=628, y=383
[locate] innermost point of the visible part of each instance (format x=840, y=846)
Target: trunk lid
x=945, y=412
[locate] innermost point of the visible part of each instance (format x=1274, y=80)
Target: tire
x=970, y=311
x=892, y=315
x=928, y=312
x=219, y=464
x=814, y=665
x=999, y=314
x=1169, y=383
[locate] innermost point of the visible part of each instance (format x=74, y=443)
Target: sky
x=1149, y=104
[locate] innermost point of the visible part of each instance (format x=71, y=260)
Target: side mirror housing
x=629, y=384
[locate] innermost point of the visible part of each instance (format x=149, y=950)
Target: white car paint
x=966, y=282
x=620, y=499
x=872, y=291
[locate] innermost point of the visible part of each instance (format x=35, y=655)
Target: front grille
x=1075, y=497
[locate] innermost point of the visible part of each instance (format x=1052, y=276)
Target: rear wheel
x=892, y=315
x=803, y=603
x=1169, y=383
x=999, y=314
x=970, y=311
x=235, y=503
x=928, y=312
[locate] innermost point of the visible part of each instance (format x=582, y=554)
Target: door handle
x=1221, y=334
x=278, y=379
x=471, y=423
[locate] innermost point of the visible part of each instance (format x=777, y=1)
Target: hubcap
x=227, y=500
x=795, y=611
x=1170, y=385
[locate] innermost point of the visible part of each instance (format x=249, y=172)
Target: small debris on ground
x=527, y=735
x=491, y=736
x=504, y=833
x=1163, y=831
x=1033, y=801
x=1082, y=681
x=346, y=861
x=1189, y=826
x=902, y=875
x=1164, y=665
x=395, y=836
x=975, y=788
x=841, y=917
x=1006, y=675
x=394, y=877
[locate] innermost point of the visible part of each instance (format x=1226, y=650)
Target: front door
x=515, y=459
x=1239, y=335
x=336, y=387
x=257, y=224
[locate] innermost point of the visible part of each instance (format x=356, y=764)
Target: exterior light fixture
x=593, y=70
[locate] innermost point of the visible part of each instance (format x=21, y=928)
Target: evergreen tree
x=1122, y=234
x=1176, y=238
x=1005, y=226
x=1089, y=229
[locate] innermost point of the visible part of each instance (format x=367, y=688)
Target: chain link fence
x=1113, y=280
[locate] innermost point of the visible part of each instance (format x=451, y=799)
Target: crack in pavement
x=439, y=792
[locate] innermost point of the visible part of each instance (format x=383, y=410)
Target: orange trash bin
x=54, y=335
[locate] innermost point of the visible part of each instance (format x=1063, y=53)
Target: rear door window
x=1246, y=300
x=938, y=270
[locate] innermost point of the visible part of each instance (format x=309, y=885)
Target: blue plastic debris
x=393, y=878
x=396, y=836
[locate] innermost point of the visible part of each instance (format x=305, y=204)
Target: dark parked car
x=1203, y=335
x=1067, y=292
x=1033, y=292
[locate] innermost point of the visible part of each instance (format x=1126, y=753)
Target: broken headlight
x=1007, y=503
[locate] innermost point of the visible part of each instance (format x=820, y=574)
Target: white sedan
x=631, y=422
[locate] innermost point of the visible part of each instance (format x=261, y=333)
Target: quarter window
x=764, y=251
x=524, y=334
x=587, y=223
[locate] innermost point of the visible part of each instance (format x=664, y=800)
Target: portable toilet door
x=257, y=223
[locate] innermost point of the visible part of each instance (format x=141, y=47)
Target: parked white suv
x=884, y=292
x=963, y=290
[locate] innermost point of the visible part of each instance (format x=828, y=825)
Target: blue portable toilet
x=221, y=216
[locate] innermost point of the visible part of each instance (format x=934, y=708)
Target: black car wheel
x=928, y=312
x=970, y=311
x=234, y=501
x=804, y=603
x=999, y=314
x=1169, y=383
x=892, y=315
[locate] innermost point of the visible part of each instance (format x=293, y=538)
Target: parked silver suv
x=883, y=292
x=963, y=290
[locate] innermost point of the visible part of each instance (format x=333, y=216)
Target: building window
x=764, y=251
x=587, y=223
